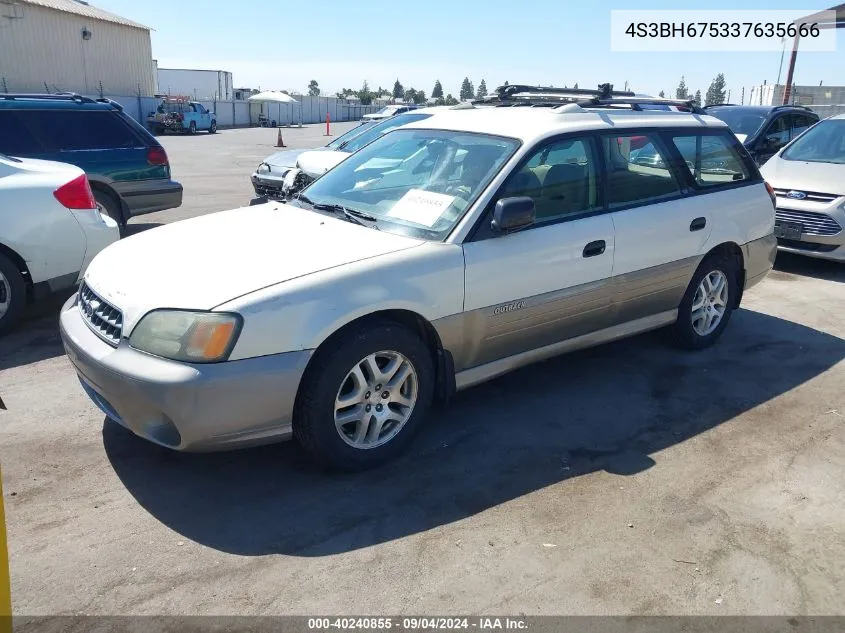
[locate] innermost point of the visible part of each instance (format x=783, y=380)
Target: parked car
x=269, y=177
x=388, y=111
x=182, y=116
x=128, y=169
x=764, y=129
x=808, y=177
x=523, y=233
x=50, y=229
x=310, y=165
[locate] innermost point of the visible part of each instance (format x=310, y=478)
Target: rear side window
x=71, y=130
x=15, y=139
x=637, y=170
x=711, y=159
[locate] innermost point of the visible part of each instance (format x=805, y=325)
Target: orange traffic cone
x=279, y=141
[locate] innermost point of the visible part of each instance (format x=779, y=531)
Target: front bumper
x=183, y=406
x=269, y=186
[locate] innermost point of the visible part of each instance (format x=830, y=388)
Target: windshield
x=377, y=129
x=740, y=120
x=355, y=131
x=387, y=110
x=414, y=182
x=822, y=143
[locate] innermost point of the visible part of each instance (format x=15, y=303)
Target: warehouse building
x=70, y=45
x=199, y=84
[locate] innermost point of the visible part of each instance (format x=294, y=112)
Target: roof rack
x=522, y=94
x=713, y=105
x=792, y=105
x=636, y=103
x=62, y=96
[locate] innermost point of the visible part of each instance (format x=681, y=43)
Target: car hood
x=804, y=175
x=203, y=262
x=288, y=157
x=315, y=163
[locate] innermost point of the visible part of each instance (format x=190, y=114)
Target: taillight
x=76, y=194
x=772, y=195
x=156, y=156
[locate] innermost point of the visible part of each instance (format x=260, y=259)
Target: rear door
x=97, y=140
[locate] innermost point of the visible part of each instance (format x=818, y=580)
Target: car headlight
x=193, y=337
x=264, y=168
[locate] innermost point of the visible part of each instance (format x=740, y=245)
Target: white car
x=339, y=316
x=50, y=230
x=808, y=177
x=387, y=112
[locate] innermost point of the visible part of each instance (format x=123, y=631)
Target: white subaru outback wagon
x=338, y=317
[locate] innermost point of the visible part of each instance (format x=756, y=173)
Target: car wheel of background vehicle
x=193, y=128
x=213, y=128
x=364, y=395
x=12, y=294
x=707, y=304
x=106, y=203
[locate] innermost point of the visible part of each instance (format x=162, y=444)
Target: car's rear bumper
x=759, y=258
x=148, y=196
x=183, y=406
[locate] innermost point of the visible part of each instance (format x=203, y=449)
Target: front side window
x=824, y=143
x=413, y=182
x=637, y=175
x=561, y=178
x=777, y=134
x=800, y=122
x=711, y=158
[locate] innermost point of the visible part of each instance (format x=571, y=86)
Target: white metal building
x=199, y=84
x=70, y=45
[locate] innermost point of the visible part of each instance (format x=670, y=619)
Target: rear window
x=70, y=130
x=712, y=159
x=15, y=139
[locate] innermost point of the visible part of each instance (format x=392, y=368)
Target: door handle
x=697, y=224
x=594, y=248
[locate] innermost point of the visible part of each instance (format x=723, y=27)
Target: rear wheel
x=193, y=128
x=12, y=294
x=108, y=204
x=707, y=304
x=364, y=396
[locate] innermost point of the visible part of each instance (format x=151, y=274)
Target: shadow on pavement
x=809, y=267
x=37, y=337
x=133, y=228
x=609, y=408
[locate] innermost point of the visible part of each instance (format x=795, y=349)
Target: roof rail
x=636, y=103
x=792, y=105
x=713, y=105
x=112, y=103
x=64, y=96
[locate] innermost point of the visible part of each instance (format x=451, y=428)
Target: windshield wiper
x=353, y=215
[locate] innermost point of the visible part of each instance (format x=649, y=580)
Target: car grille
x=808, y=246
x=104, y=319
x=812, y=196
x=814, y=223
x=267, y=191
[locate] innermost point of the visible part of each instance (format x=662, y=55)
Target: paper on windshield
x=421, y=207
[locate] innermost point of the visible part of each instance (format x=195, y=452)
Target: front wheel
x=364, y=396
x=707, y=304
x=212, y=129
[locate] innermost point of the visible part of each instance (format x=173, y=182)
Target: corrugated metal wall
x=199, y=84
x=41, y=46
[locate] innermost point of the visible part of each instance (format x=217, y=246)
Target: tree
x=437, y=91
x=450, y=100
x=662, y=95
x=398, y=90
x=681, y=91
x=411, y=94
x=482, y=90
x=467, y=91
x=697, y=98
x=313, y=88
x=716, y=91
x=419, y=97
x=365, y=95
x=575, y=86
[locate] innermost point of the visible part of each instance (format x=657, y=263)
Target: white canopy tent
x=279, y=98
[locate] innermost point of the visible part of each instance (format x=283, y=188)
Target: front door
x=550, y=281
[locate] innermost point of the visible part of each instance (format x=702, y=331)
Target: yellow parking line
x=5, y=583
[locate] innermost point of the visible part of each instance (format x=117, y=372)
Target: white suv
x=338, y=317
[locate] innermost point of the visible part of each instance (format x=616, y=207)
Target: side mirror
x=510, y=214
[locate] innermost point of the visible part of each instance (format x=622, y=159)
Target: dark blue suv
x=128, y=169
x=764, y=129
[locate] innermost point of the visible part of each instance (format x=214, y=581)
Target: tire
x=329, y=376
x=109, y=205
x=693, y=331
x=12, y=294
x=212, y=129
x=193, y=128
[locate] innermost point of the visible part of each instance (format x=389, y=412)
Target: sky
x=342, y=43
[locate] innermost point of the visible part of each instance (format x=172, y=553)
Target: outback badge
x=510, y=307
